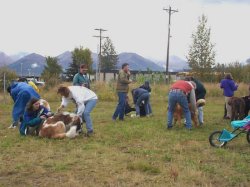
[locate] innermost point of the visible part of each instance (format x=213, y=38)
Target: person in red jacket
x=178, y=94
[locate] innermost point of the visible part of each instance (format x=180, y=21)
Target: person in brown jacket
x=122, y=91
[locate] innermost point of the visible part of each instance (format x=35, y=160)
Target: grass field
x=136, y=152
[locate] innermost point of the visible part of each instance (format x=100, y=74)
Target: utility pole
x=100, y=51
x=170, y=11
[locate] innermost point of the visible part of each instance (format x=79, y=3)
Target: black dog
x=247, y=105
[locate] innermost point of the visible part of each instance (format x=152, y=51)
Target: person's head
x=9, y=90
x=22, y=79
x=83, y=69
x=189, y=78
x=146, y=83
x=228, y=76
x=63, y=91
x=125, y=67
x=33, y=105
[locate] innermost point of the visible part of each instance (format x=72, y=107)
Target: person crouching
x=140, y=95
x=85, y=100
x=33, y=117
x=178, y=94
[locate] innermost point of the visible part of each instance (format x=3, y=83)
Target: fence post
x=4, y=88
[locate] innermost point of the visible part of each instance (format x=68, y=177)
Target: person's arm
x=80, y=109
x=193, y=101
x=64, y=103
x=75, y=80
x=221, y=84
x=233, y=86
x=124, y=79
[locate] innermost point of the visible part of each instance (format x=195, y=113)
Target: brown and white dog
x=61, y=125
x=178, y=115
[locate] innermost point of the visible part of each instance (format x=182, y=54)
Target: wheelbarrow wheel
x=214, y=139
x=248, y=136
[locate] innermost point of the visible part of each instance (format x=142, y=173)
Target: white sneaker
x=13, y=125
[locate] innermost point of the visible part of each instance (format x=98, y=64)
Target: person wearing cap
x=81, y=78
x=178, y=94
x=228, y=86
x=200, y=93
x=85, y=100
x=122, y=91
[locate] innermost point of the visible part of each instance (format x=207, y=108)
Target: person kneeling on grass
x=33, y=117
x=21, y=93
x=140, y=95
x=85, y=100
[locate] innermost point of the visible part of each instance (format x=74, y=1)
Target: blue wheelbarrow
x=220, y=138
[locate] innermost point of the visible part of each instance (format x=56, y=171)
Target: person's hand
x=59, y=109
x=43, y=117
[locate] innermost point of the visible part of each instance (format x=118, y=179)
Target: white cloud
x=50, y=27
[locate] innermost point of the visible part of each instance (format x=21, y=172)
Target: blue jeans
x=174, y=98
x=149, y=107
x=144, y=97
x=89, y=106
x=200, y=115
x=120, y=109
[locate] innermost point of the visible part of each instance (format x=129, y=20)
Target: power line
x=100, y=51
x=170, y=12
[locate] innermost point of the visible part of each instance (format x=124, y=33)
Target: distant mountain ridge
x=33, y=64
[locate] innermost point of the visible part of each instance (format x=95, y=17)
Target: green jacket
x=81, y=80
x=123, y=82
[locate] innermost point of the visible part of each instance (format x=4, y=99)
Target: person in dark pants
x=200, y=93
x=122, y=91
x=147, y=87
x=140, y=95
x=21, y=93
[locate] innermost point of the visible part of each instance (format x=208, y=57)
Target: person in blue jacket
x=21, y=93
x=228, y=86
x=147, y=87
x=33, y=117
x=140, y=95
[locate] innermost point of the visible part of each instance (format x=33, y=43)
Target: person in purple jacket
x=228, y=86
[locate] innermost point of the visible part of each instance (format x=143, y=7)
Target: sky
x=51, y=27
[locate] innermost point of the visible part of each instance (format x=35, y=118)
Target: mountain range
x=33, y=64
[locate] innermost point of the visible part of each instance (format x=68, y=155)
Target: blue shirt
x=228, y=87
x=21, y=93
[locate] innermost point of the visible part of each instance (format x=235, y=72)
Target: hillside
x=32, y=64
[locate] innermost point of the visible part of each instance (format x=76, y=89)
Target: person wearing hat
x=178, y=94
x=81, y=78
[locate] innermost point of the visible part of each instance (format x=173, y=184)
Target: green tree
x=79, y=56
x=201, y=55
x=51, y=72
x=109, y=56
